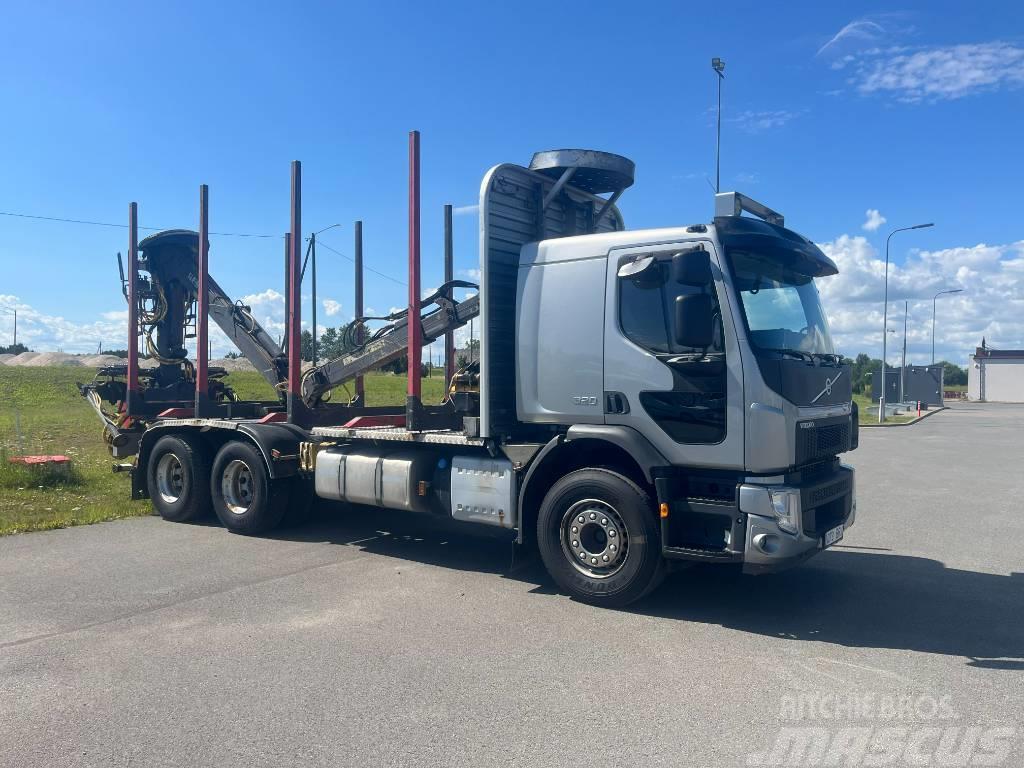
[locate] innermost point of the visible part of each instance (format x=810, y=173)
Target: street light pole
x=312, y=254
x=885, y=313
x=940, y=293
x=903, y=365
x=718, y=65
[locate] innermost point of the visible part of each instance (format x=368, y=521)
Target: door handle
x=615, y=402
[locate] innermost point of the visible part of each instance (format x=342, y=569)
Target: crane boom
x=389, y=345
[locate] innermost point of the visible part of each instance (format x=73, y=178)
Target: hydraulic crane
x=166, y=298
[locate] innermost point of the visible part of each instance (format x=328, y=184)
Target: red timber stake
x=296, y=408
x=449, y=274
x=360, y=385
x=203, y=306
x=131, y=399
x=413, y=403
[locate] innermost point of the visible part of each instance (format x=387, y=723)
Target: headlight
x=786, y=505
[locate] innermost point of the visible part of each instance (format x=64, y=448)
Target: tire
x=583, y=557
x=178, y=477
x=245, y=497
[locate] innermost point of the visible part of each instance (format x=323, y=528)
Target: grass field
x=41, y=412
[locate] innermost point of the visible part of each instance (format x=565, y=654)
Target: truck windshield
x=781, y=306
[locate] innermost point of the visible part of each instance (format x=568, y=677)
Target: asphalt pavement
x=382, y=639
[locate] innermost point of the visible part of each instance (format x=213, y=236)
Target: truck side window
x=693, y=411
x=646, y=309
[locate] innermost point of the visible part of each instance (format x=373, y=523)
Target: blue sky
x=830, y=110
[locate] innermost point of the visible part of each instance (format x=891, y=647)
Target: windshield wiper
x=797, y=353
x=829, y=356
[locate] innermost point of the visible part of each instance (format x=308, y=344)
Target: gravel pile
x=23, y=358
x=238, y=364
x=101, y=361
x=50, y=358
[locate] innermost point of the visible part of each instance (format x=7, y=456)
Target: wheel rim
x=237, y=487
x=594, y=538
x=170, y=478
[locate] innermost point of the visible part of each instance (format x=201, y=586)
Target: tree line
x=864, y=366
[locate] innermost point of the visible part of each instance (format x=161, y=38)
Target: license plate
x=832, y=536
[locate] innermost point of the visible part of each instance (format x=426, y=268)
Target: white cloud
x=937, y=73
x=992, y=304
x=466, y=210
x=857, y=30
x=331, y=307
x=268, y=309
x=48, y=333
x=470, y=274
x=873, y=221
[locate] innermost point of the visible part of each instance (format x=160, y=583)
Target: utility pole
x=885, y=314
x=718, y=65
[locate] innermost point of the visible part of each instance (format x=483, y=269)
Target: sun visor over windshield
x=792, y=250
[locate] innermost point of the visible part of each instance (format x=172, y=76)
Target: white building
x=996, y=375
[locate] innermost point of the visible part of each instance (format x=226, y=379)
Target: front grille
x=821, y=440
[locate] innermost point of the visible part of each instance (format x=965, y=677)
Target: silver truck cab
x=707, y=343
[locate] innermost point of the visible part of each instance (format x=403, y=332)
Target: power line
x=123, y=226
x=221, y=234
x=370, y=269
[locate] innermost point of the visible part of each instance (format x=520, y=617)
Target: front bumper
x=817, y=508
x=750, y=530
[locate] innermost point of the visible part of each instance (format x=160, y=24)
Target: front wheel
x=246, y=499
x=599, y=538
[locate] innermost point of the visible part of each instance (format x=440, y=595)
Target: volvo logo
x=828, y=386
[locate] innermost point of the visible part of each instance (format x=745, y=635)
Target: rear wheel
x=599, y=538
x=246, y=499
x=178, y=476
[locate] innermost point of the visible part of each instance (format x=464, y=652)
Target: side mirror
x=693, y=321
x=692, y=267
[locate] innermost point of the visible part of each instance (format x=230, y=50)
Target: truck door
x=687, y=401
